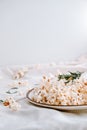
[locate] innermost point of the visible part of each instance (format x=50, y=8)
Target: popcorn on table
x=19, y=83
x=12, y=104
x=20, y=73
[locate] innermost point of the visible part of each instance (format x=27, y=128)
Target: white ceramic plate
x=73, y=107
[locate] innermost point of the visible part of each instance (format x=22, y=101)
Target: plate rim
x=62, y=107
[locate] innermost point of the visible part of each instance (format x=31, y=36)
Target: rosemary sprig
x=1, y=101
x=10, y=91
x=70, y=76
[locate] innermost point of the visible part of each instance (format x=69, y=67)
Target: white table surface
x=31, y=117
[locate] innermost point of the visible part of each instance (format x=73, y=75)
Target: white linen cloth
x=31, y=117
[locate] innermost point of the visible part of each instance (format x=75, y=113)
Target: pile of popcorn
x=54, y=92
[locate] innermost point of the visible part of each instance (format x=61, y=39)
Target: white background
x=38, y=31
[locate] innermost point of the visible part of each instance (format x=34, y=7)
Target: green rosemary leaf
x=1, y=101
x=14, y=88
x=70, y=76
x=9, y=92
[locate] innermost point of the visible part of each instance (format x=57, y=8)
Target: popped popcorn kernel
x=20, y=73
x=12, y=104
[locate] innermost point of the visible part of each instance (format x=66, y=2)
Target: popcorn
x=84, y=78
x=54, y=92
x=20, y=73
x=6, y=103
x=19, y=83
x=12, y=104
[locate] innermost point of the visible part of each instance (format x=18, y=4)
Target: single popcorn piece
x=20, y=73
x=12, y=104
x=19, y=83
x=15, y=106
